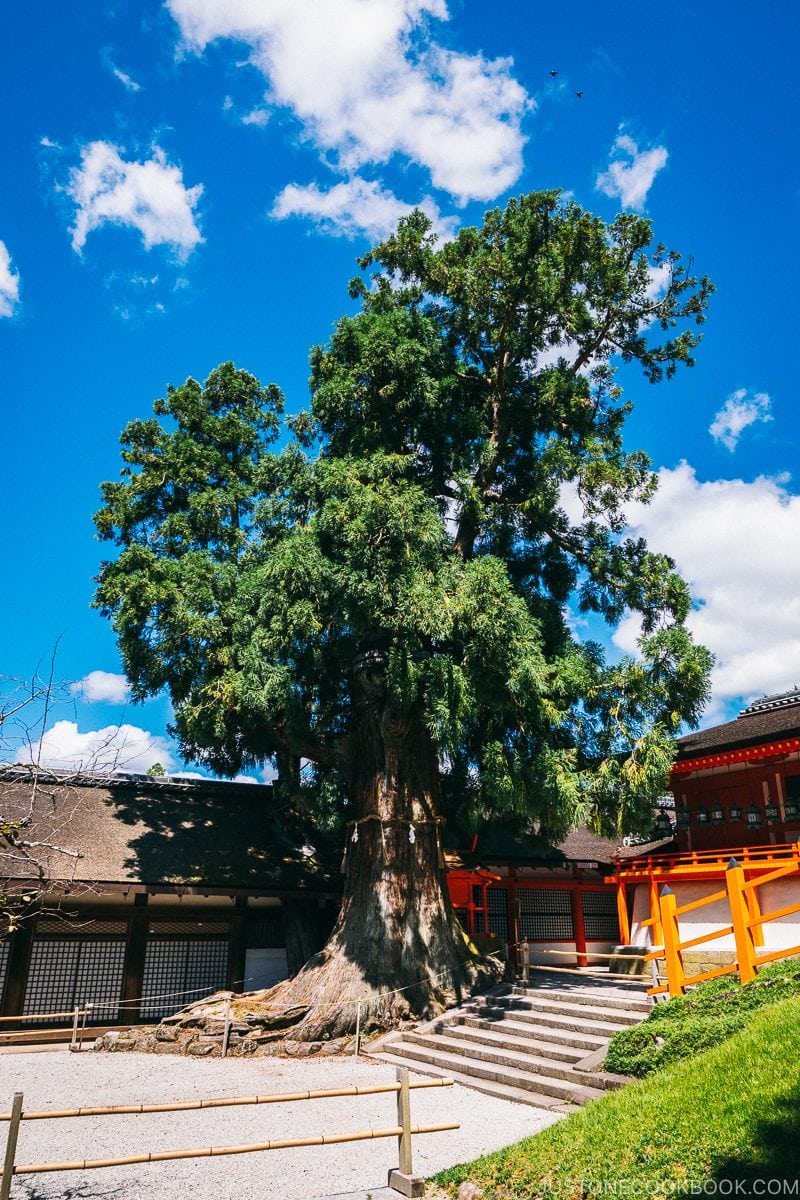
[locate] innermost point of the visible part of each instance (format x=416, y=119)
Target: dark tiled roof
x=773, y=717
x=154, y=831
x=499, y=847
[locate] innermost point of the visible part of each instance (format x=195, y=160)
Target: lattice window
x=66, y=973
x=600, y=917
x=497, y=911
x=164, y=929
x=76, y=927
x=178, y=971
x=545, y=914
x=5, y=950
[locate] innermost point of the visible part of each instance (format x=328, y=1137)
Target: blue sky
x=190, y=182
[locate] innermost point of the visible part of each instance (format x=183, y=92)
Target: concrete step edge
x=575, y=1093
x=551, y=1004
x=486, y=1087
x=535, y=1064
x=610, y=1016
x=544, y=1033
x=555, y=1020
x=634, y=1002
x=525, y=1043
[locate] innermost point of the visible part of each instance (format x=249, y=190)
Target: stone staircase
x=541, y=1045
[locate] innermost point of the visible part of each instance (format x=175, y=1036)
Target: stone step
x=534, y=1064
x=599, y=1011
x=503, y=1040
x=544, y=1018
x=487, y=1087
x=547, y=1085
x=585, y=1042
x=636, y=1002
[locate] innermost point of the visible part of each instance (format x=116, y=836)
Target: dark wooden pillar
x=133, y=982
x=237, y=951
x=17, y=969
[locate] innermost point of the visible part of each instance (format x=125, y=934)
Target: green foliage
x=729, y=1113
x=418, y=513
x=707, y=1015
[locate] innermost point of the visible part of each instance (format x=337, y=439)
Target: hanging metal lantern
x=735, y=812
x=684, y=817
x=717, y=814
x=791, y=809
x=701, y=815
x=753, y=817
x=663, y=824
x=771, y=812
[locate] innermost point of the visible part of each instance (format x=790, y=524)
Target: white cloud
x=733, y=542
x=148, y=196
x=100, y=686
x=367, y=81
x=630, y=177
x=256, y=116
x=9, y=284
x=115, y=748
x=357, y=208
x=736, y=414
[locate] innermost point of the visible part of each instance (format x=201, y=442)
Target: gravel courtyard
x=63, y=1080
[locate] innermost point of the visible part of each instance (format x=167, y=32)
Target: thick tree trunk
x=397, y=946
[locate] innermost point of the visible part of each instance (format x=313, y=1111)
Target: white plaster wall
x=263, y=968
x=781, y=934
x=567, y=959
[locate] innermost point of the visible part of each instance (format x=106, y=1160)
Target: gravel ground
x=63, y=1080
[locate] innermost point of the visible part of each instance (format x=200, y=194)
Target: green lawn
x=731, y=1113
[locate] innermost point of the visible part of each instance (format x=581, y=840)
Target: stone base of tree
x=244, y=1042
x=200, y=1032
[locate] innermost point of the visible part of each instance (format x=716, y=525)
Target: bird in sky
x=554, y=73
x=579, y=95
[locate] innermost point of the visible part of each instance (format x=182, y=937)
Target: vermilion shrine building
x=737, y=795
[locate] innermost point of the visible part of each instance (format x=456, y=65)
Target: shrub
x=707, y=1015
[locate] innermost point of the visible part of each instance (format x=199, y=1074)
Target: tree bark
x=397, y=946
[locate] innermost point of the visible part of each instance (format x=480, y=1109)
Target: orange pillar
x=676, y=976
x=745, y=948
x=578, y=927
x=754, y=912
x=622, y=914
x=656, y=931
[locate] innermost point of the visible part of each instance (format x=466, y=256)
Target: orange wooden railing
x=746, y=925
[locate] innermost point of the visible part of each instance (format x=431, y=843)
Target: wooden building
x=737, y=796
x=156, y=891
x=738, y=784
x=161, y=889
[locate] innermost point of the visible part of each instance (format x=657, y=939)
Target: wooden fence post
x=676, y=976
x=226, y=1033
x=74, y=1042
x=743, y=934
x=754, y=912
x=11, y=1147
x=357, y=1050
x=403, y=1179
